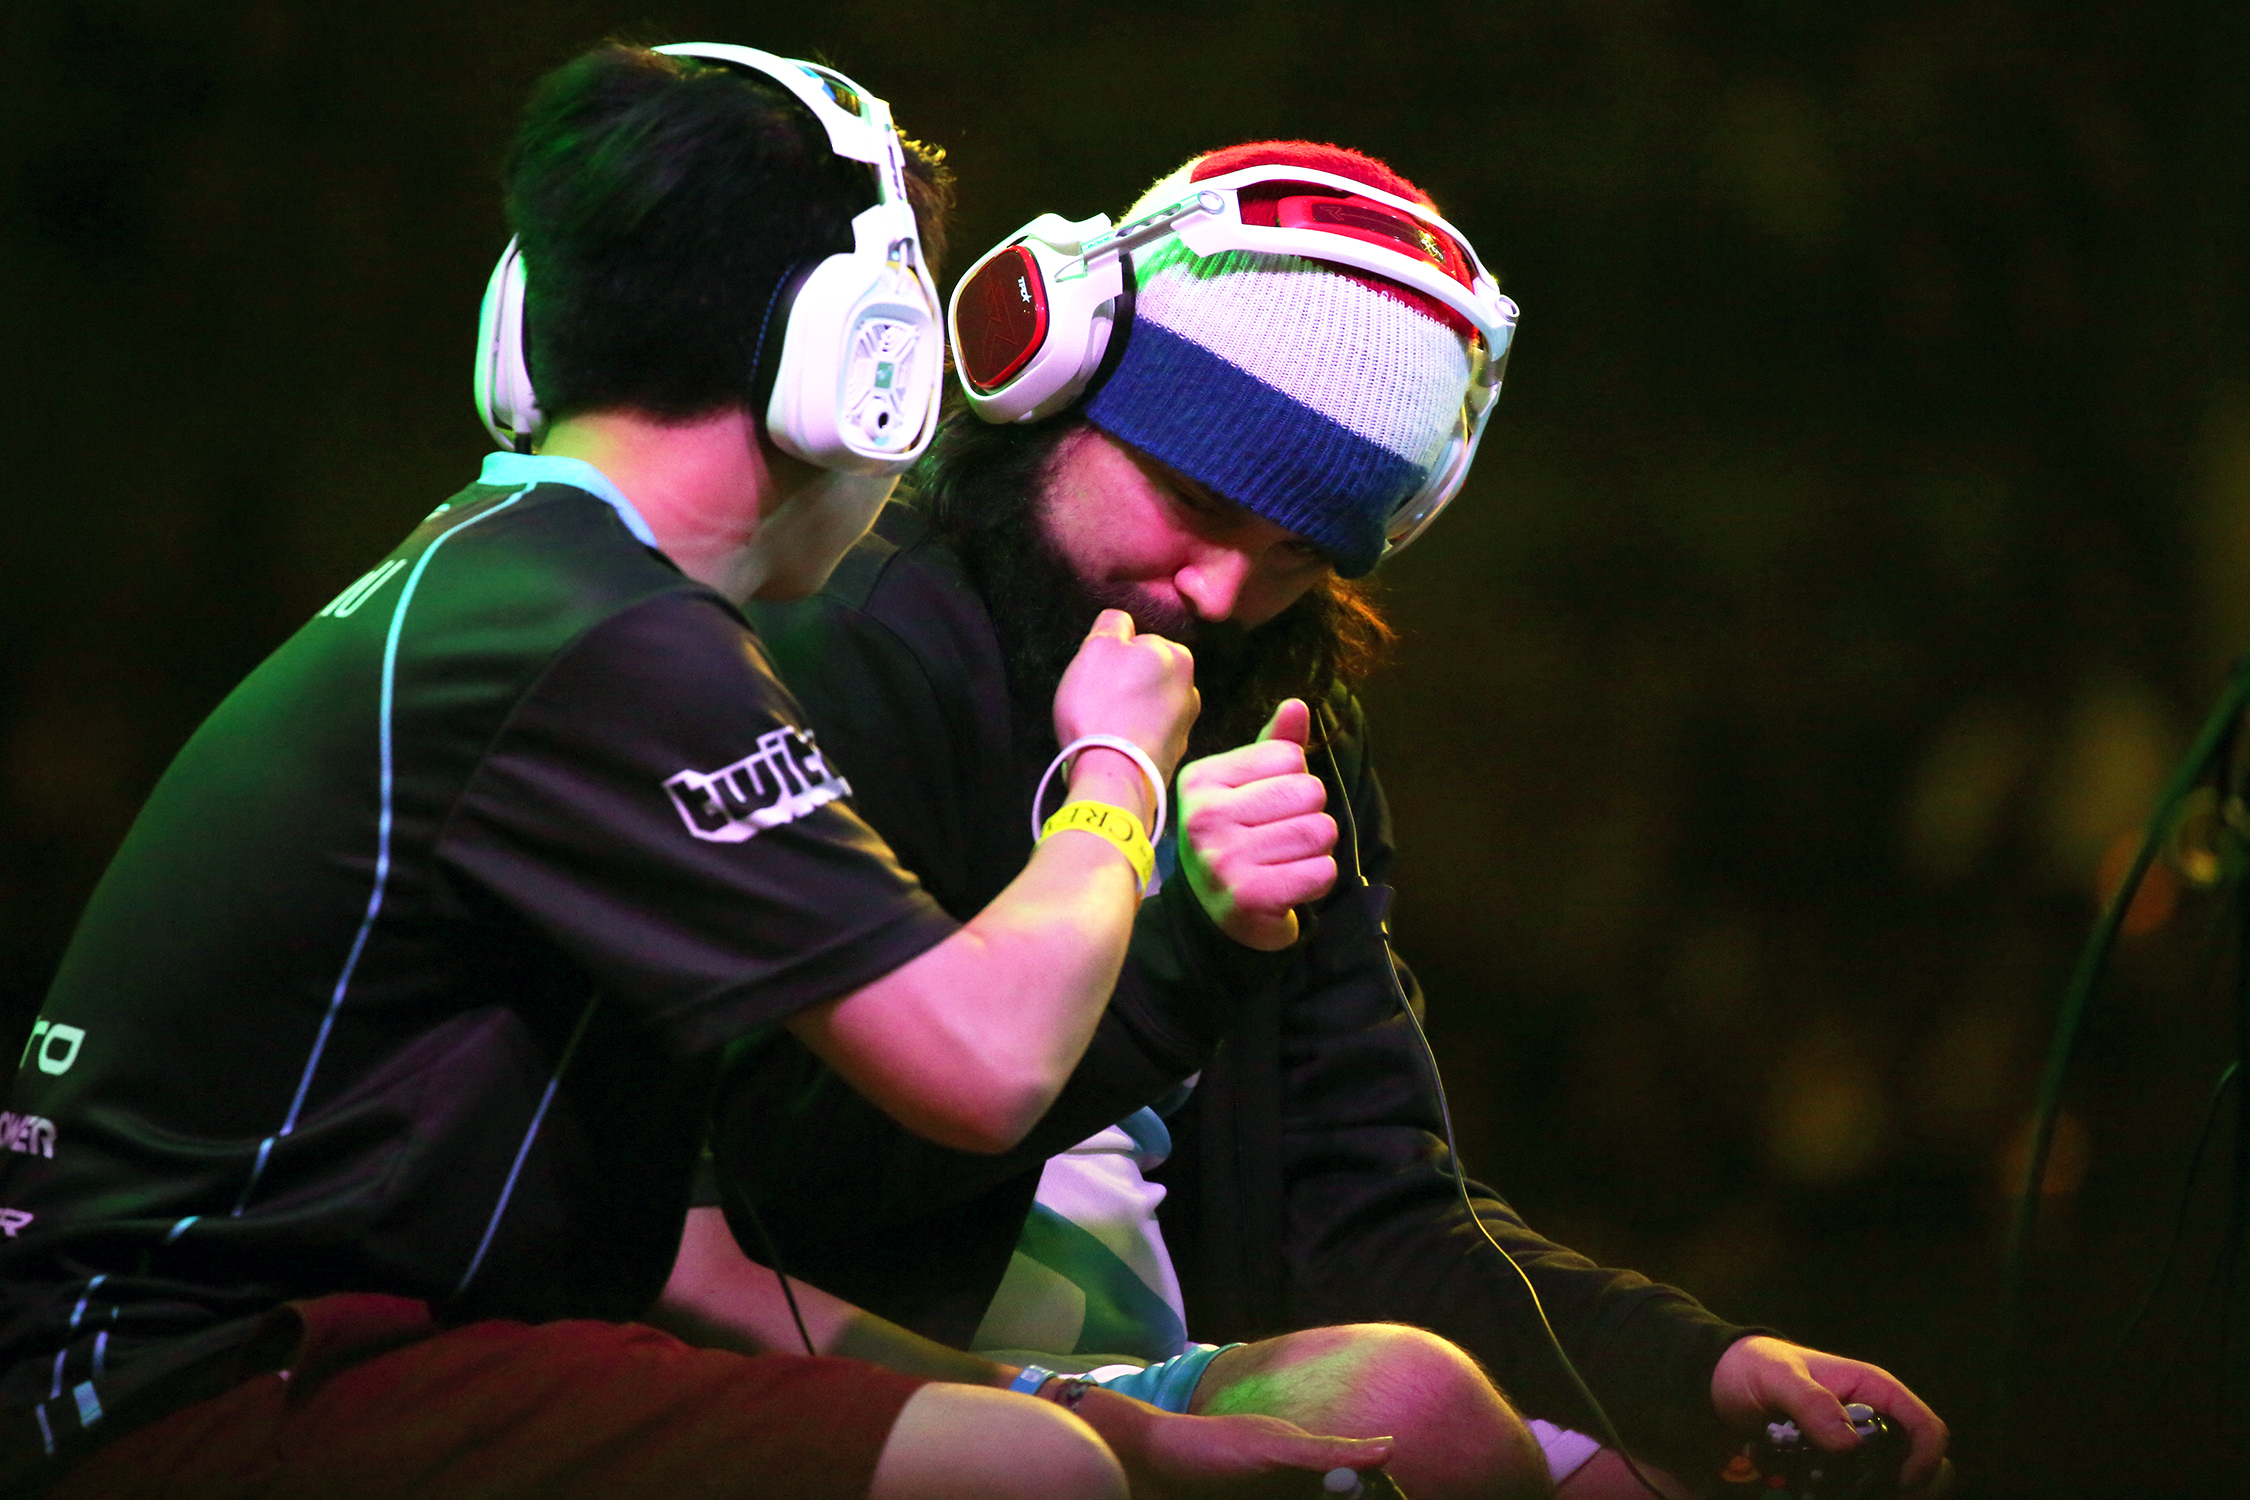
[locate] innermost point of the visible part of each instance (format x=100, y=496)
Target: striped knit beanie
x=1315, y=396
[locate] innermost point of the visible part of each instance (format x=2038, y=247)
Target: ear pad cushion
x=1001, y=319
x=1035, y=325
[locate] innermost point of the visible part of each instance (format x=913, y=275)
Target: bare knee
x=965, y=1442
x=1457, y=1435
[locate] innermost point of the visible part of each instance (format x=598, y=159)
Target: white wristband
x=1122, y=746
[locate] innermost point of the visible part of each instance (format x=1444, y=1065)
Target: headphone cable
x=1606, y=1427
x=773, y=1258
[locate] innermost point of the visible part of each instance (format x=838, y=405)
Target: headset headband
x=1208, y=220
x=858, y=124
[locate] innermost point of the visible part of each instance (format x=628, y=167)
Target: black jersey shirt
x=411, y=975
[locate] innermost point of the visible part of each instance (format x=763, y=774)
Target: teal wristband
x=1033, y=1377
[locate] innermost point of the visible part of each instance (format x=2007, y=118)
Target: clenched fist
x=1139, y=687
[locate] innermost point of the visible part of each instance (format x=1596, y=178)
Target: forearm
x=969, y=1043
x=894, y=1348
x=1039, y=962
x=1120, y=1421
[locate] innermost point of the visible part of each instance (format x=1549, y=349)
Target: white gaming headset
x=862, y=361
x=1033, y=319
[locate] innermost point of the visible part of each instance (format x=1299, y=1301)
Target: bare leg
x=1456, y=1435
x=965, y=1442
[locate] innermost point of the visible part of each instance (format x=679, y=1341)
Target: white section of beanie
x=1365, y=360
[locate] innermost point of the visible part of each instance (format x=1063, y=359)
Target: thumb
x=1114, y=623
x=1818, y=1414
x=1291, y=721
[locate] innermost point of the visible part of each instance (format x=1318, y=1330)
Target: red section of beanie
x=1342, y=161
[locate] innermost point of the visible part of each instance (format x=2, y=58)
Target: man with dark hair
x=368, y=1095
x=662, y=254
x=1235, y=471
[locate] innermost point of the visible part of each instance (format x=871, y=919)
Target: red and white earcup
x=1032, y=319
x=999, y=319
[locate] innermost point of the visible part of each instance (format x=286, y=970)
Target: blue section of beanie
x=1266, y=451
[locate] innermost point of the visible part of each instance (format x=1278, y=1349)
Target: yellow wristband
x=1113, y=823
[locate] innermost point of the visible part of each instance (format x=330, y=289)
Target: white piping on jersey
x=382, y=853
x=79, y=1311
x=538, y=1116
x=258, y=1167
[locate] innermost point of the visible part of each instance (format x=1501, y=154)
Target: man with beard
x=1246, y=449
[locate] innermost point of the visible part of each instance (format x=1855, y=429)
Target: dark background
x=1860, y=539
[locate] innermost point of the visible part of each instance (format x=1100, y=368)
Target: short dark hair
x=980, y=485
x=660, y=201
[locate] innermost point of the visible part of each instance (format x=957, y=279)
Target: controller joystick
x=1782, y=1465
x=1360, y=1484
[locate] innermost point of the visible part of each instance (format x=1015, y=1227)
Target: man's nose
x=1213, y=582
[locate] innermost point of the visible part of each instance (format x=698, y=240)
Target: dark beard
x=1041, y=610
x=980, y=485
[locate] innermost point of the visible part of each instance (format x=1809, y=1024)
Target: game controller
x=1781, y=1465
x=1361, y=1484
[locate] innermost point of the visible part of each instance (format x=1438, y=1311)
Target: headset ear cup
x=1033, y=324
x=1414, y=515
x=855, y=388
x=505, y=399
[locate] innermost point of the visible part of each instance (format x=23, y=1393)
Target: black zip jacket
x=1308, y=1184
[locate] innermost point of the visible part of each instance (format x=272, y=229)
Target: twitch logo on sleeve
x=779, y=782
